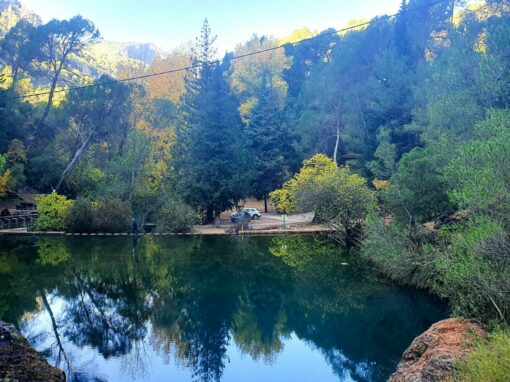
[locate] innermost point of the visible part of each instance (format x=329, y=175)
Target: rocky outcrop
x=19, y=362
x=431, y=356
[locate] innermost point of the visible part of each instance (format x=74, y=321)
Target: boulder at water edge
x=431, y=356
x=20, y=363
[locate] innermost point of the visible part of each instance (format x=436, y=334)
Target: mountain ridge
x=103, y=57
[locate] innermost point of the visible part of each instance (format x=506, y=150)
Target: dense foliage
x=467, y=259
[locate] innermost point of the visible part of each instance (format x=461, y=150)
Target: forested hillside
x=416, y=83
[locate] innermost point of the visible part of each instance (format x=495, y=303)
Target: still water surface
x=208, y=309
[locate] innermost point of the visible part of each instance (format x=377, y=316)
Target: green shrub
x=488, y=362
x=147, y=202
x=475, y=269
x=112, y=216
x=480, y=169
x=176, y=216
x=53, y=210
x=81, y=217
x=399, y=256
x=420, y=186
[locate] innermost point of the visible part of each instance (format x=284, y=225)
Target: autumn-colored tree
x=168, y=86
x=5, y=176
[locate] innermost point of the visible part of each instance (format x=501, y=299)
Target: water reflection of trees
x=210, y=286
x=193, y=294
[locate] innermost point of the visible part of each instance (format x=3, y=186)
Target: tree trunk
x=265, y=204
x=209, y=216
x=76, y=156
x=47, y=109
x=54, y=326
x=15, y=75
x=337, y=144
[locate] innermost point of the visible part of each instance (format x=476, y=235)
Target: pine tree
x=209, y=158
x=270, y=144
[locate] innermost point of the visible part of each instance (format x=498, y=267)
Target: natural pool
x=287, y=308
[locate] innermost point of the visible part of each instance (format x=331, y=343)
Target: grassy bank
x=488, y=362
x=467, y=263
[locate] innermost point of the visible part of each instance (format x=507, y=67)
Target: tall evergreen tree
x=209, y=158
x=270, y=143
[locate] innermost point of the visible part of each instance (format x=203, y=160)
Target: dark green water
x=208, y=309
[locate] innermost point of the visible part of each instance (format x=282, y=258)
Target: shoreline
x=200, y=231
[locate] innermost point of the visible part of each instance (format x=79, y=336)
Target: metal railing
x=21, y=219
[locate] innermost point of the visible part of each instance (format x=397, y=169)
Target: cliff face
x=11, y=11
x=111, y=57
x=19, y=362
x=431, y=356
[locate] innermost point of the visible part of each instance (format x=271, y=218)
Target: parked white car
x=253, y=212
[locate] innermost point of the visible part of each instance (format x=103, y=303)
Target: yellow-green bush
x=313, y=169
x=53, y=210
x=334, y=193
x=338, y=196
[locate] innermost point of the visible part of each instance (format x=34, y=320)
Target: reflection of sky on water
x=299, y=360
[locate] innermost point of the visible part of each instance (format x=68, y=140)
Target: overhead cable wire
x=232, y=58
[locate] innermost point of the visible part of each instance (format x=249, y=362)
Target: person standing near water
x=134, y=225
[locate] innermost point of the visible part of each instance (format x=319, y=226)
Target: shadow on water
x=128, y=302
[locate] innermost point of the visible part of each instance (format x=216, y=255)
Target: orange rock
x=431, y=356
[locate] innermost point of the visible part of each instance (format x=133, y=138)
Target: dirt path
x=270, y=223
x=308, y=229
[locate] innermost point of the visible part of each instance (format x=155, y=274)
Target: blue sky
x=170, y=23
